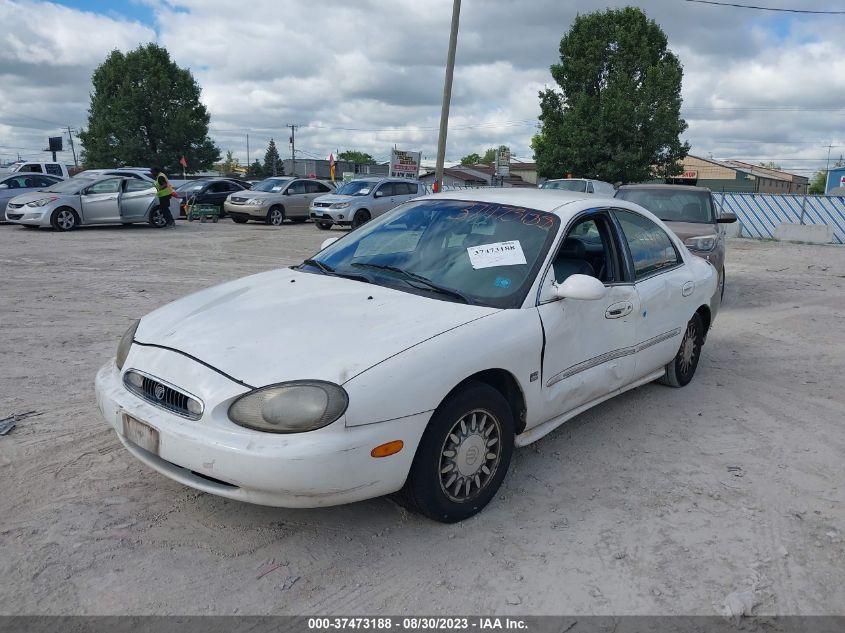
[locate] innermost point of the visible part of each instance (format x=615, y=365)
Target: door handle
x=619, y=310
x=688, y=288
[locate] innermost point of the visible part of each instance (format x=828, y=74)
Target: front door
x=383, y=198
x=100, y=202
x=296, y=200
x=589, y=350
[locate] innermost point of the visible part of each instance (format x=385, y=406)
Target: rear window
x=673, y=206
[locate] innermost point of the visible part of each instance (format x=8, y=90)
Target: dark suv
x=210, y=191
x=691, y=214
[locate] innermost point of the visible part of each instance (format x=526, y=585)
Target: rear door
x=100, y=202
x=665, y=288
x=135, y=200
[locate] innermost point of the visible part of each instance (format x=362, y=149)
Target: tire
x=240, y=220
x=361, y=218
x=458, y=440
x=214, y=219
x=324, y=226
x=64, y=219
x=276, y=215
x=681, y=369
x=157, y=219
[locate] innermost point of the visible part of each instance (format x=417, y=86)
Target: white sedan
x=480, y=321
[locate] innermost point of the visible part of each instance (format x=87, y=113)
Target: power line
x=750, y=6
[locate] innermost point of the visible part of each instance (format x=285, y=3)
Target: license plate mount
x=141, y=434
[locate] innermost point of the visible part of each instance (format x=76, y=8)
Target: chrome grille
x=14, y=216
x=12, y=205
x=322, y=204
x=162, y=394
x=235, y=200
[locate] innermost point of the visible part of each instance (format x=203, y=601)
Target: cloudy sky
x=368, y=74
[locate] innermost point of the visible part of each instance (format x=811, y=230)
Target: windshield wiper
x=408, y=275
x=325, y=269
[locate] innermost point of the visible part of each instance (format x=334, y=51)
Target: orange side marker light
x=385, y=450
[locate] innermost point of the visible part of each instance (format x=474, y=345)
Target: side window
x=651, y=249
x=33, y=168
x=312, y=186
x=42, y=181
x=297, y=187
x=386, y=189
x=218, y=187
x=590, y=188
x=589, y=249
x=134, y=184
x=106, y=186
x=53, y=168
x=405, y=188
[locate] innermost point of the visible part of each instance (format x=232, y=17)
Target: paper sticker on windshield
x=279, y=188
x=498, y=254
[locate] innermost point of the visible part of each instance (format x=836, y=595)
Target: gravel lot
x=661, y=501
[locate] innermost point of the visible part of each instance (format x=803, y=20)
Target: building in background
x=738, y=177
x=320, y=168
x=835, y=185
x=475, y=176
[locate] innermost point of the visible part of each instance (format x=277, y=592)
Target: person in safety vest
x=164, y=192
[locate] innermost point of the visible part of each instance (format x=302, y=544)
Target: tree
x=471, y=159
x=273, y=165
x=354, y=156
x=256, y=170
x=818, y=183
x=616, y=112
x=488, y=158
x=231, y=163
x=769, y=165
x=145, y=110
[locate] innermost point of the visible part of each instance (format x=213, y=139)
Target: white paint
x=497, y=254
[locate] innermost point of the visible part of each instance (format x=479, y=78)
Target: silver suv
x=359, y=201
x=275, y=200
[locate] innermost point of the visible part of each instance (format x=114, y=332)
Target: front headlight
x=257, y=201
x=340, y=205
x=703, y=243
x=290, y=407
x=125, y=344
x=41, y=202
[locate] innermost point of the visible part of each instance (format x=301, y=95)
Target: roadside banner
x=331, y=167
x=404, y=164
x=503, y=162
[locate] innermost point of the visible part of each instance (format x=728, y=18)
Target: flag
x=331, y=167
x=183, y=161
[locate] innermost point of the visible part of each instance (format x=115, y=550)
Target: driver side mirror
x=378, y=194
x=726, y=218
x=581, y=287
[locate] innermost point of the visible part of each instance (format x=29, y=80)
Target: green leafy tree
x=230, y=163
x=471, y=159
x=361, y=158
x=273, y=165
x=818, y=183
x=616, y=112
x=256, y=170
x=145, y=110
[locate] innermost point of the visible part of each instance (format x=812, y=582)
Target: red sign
x=689, y=174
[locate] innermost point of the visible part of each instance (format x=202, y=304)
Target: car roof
x=663, y=186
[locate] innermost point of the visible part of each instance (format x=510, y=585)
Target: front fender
x=417, y=380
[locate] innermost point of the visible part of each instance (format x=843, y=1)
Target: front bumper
x=329, y=466
x=252, y=211
x=28, y=215
x=330, y=216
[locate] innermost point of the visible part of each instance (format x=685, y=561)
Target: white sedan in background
x=481, y=320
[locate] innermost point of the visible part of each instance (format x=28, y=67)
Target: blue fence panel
x=761, y=213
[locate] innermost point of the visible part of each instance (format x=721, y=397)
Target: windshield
x=73, y=185
x=356, y=188
x=190, y=187
x=473, y=252
x=271, y=184
x=567, y=185
x=673, y=206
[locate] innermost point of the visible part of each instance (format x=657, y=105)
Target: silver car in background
x=13, y=185
x=357, y=202
x=581, y=185
x=275, y=200
x=82, y=201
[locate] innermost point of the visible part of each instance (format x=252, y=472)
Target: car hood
x=290, y=325
x=691, y=229
x=35, y=195
x=333, y=197
x=249, y=193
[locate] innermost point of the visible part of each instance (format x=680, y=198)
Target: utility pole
x=72, y=148
x=293, y=146
x=447, y=95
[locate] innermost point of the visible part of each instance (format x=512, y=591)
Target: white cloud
x=367, y=75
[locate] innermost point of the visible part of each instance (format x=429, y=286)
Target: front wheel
x=463, y=455
x=361, y=218
x=64, y=219
x=681, y=369
x=157, y=218
x=324, y=226
x=275, y=216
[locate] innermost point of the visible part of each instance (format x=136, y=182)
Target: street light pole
x=447, y=96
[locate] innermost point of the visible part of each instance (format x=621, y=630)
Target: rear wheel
x=64, y=219
x=681, y=369
x=276, y=215
x=324, y=226
x=463, y=455
x=361, y=218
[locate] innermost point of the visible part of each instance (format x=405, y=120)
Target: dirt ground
x=661, y=501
